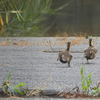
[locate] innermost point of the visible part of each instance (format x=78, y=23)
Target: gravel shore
x=37, y=65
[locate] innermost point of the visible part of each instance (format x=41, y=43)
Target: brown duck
x=65, y=56
x=91, y=51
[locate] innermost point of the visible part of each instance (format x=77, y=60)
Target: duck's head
x=90, y=42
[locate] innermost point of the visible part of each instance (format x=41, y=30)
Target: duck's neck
x=68, y=46
x=90, y=42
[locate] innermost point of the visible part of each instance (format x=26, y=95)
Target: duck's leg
x=69, y=61
x=87, y=60
x=68, y=64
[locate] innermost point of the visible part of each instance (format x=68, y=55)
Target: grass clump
x=87, y=91
x=86, y=80
x=7, y=89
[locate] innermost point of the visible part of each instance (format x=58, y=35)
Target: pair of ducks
x=66, y=57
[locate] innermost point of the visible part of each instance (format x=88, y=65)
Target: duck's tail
x=63, y=61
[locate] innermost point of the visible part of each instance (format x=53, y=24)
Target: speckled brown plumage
x=65, y=56
x=91, y=51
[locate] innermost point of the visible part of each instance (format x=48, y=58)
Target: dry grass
x=40, y=89
x=60, y=40
x=23, y=43
x=77, y=40
x=19, y=43
x=4, y=43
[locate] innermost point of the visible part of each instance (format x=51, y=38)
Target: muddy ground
x=35, y=63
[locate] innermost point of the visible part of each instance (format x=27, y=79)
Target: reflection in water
x=78, y=16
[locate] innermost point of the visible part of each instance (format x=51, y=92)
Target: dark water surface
x=78, y=16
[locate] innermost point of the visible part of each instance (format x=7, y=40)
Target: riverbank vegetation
x=25, y=17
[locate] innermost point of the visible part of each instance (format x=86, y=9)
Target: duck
x=91, y=51
x=65, y=56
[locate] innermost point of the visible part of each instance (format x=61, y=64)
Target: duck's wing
x=67, y=56
x=90, y=52
x=95, y=50
x=61, y=57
